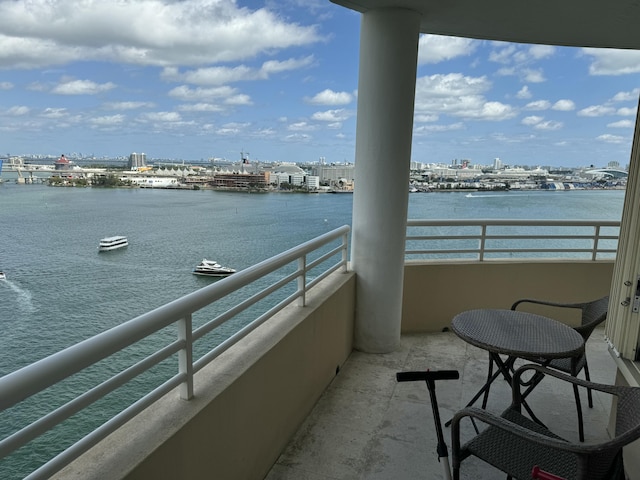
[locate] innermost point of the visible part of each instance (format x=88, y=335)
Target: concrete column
x=386, y=95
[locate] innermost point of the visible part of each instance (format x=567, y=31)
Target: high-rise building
x=137, y=160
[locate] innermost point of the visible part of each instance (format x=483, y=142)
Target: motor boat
x=2, y=276
x=211, y=268
x=112, y=243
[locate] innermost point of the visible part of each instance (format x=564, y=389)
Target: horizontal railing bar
x=29, y=380
x=323, y=275
x=512, y=222
x=561, y=232
x=74, y=451
x=40, y=426
x=243, y=332
x=323, y=258
x=242, y=306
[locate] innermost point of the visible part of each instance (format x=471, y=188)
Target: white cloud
x=187, y=94
x=524, y=93
x=233, y=128
x=564, y=105
x=424, y=118
x=18, y=111
x=331, y=115
x=596, y=111
x=532, y=120
x=460, y=96
x=518, y=60
x=6, y=85
x=200, y=107
x=611, y=138
x=627, y=112
x=298, y=137
x=437, y=48
x=107, y=121
x=210, y=76
x=548, y=125
x=538, y=105
x=54, y=112
x=82, y=87
x=606, y=61
x=143, y=32
x=541, y=51
x=329, y=97
x=424, y=129
x=162, y=116
x=276, y=66
x=128, y=105
x=631, y=96
x=300, y=126
x=533, y=76
x=622, y=124
x=240, y=99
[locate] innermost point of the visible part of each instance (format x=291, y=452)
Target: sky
x=199, y=79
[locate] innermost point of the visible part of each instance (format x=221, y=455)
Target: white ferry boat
x=112, y=243
x=211, y=268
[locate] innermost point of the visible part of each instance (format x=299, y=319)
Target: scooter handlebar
x=427, y=375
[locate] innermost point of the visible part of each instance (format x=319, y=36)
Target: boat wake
x=23, y=297
x=468, y=195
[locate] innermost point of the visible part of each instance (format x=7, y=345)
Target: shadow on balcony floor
x=368, y=426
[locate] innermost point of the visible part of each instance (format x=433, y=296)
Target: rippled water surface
x=60, y=290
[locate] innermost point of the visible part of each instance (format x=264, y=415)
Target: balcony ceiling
x=576, y=23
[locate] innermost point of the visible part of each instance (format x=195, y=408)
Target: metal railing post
x=185, y=356
x=302, y=281
x=345, y=252
x=483, y=241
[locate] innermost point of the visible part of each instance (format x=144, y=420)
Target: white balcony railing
x=225, y=312
x=482, y=239
x=260, y=292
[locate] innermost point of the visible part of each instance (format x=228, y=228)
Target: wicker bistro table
x=517, y=334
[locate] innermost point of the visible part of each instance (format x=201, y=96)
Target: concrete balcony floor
x=368, y=426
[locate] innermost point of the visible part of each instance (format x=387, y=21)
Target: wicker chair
x=593, y=314
x=515, y=444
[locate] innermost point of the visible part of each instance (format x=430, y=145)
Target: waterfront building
x=137, y=161
x=243, y=181
x=334, y=173
x=313, y=182
x=62, y=164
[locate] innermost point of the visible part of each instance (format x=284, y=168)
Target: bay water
x=60, y=290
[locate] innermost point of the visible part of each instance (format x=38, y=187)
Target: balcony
x=368, y=426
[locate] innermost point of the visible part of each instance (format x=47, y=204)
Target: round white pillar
x=386, y=96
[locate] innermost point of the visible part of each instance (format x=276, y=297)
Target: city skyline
x=198, y=79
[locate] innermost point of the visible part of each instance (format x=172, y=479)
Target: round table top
x=517, y=333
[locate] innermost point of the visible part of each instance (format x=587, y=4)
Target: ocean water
x=60, y=290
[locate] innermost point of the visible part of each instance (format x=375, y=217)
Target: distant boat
x=112, y=243
x=211, y=268
x=2, y=276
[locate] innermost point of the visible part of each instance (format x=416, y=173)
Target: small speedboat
x=211, y=268
x=2, y=276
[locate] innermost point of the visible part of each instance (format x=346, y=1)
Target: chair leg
x=485, y=398
x=586, y=376
x=576, y=394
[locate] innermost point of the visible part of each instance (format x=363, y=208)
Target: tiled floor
x=368, y=426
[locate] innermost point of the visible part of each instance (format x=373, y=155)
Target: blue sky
x=196, y=79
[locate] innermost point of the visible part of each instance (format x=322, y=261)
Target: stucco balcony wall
x=251, y=401
x=248, y=403
x=434, y=292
